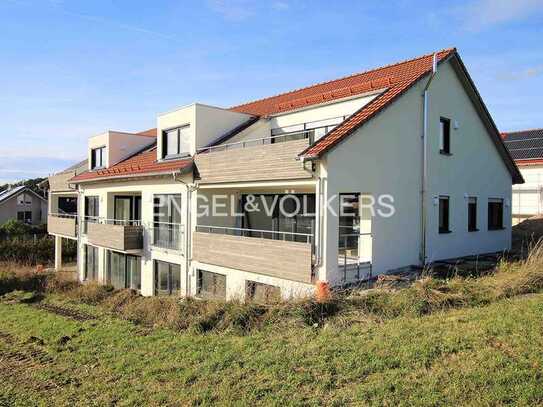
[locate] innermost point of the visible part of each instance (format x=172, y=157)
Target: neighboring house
x=526, y=148
x=171, y=211
x=23, y=204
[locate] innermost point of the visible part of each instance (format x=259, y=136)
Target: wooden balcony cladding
x=59, y=182
x=117, y=237
x=62, y=226
x=265, y=162
x=275, y=258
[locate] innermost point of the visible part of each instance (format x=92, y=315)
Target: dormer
x=111, y=147
x=181, y=132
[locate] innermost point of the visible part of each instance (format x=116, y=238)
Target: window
x=312, y=130
x=24, y=199
x=472, y=214
x=444, y=136
x=495, y=214
x=67, y=204
x=444, y=214
x=167, y=221
x=167, y=278
x=263, y=293
x=25, y=216
x=124, y=271
x=127, y=209
x=91, y=263
x=98, y=158
x=92, y=204
x=211, y=285
x=176, y=142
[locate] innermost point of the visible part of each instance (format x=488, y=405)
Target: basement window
x=444, y=136
x=495, y=214
x=211, y=285
x=98, y=158
x=262, y=293
x=167, y=278
x=444, y=214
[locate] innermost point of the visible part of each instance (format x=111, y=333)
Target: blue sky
x=72, y=69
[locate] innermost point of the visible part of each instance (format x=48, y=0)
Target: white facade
x=382, y=160
x=528, y=197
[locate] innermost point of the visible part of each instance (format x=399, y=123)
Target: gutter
x=424, y=170
x=181, y=171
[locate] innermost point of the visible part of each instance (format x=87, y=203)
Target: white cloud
x=233, y=10
x=485, y=13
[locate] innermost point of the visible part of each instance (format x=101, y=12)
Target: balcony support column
x=58, y=253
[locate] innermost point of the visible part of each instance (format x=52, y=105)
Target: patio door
x=127, y=210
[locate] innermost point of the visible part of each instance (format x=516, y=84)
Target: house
x=526, y=148
x=397, y=166
x=23, y=204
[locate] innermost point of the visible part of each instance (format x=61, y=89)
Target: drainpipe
x=188, y=236
x=424, y=175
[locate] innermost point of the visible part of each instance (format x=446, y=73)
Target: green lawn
x=488, y=355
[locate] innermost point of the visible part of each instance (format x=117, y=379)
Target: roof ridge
x=343, y=77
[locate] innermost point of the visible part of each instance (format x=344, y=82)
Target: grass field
x=486, y=355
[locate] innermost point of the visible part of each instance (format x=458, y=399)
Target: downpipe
x=424, y=172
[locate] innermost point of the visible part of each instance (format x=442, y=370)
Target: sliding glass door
x=124, y=270
x=91, y=263
x=127, y=210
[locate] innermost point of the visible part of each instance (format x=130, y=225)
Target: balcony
x=276, y=254
x=168, y=236
x=123, y=235
x=265, y=159
x=62, y=224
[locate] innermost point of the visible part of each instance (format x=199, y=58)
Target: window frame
x=165, y=154
x=25, y=218
x=170, y=291
x=491, y=202
x=207, y=294
x=445, y=228
x=94, y=165
x=472, y=200
x=445, y=136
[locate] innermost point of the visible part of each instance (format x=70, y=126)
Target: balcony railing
x=168, y=235
x=274, y=253
x=62, y=224
x=119, y=234
x=254, y=160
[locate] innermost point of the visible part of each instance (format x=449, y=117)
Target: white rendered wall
x=527, y=197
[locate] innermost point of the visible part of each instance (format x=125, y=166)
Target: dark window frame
x=445, y=136
x=495, y=221
x=128, y=277
x=91, y=275
x=25, y=217
x=472, y=214
x=166, y=155
x=94, y=164
x=445, y=222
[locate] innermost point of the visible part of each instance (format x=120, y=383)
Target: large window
x=176, y=142
x=124, y=270
x=263, y=293
x=211, y=285
x=167, y=278
x=167, y=221
x=24, y=216
x=311, y=130
x=127, y=209
x=24, y=200
x=495, y=214
x=91, y=263
x=444, y=136
x=472, y=214
x=92, y=207
x=98, y=158
x=444, y=214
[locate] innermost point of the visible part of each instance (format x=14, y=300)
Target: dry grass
x=425, y=296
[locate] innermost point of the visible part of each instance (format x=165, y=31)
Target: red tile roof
x=401, y=77
x=142, y=163
x=149, y=133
